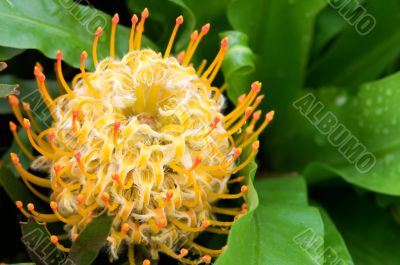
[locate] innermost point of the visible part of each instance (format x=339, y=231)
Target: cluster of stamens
x=141, y=139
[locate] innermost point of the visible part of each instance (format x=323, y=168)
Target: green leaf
x=371, y=235
x=7, y=53
x=336, y=251
x=36, y=238
x=280, y=33
x=329, y=24
x=86, y=247
x=354, y=58
x=62, y=25
x=291, y=190
x=282, y=230
x=239, y=62
x=370, y=127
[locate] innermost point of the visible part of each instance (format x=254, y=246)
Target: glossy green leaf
x=239, y=63
x=280, y=33
x=370, y=233
x=59, y=25
x=86, y=247
x=356, y=58
x=328, y=25
x=36, y=238
x=335, y=251
x=282, y=230
x=7, y=53
x=290, y=190
x=365, y=151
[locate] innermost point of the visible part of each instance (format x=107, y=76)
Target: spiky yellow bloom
x=142, y=139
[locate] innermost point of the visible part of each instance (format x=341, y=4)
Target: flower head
x=142, y=139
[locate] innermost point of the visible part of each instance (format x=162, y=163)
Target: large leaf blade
x=62, y=25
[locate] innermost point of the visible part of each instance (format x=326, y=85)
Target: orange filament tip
x=26, y=106
x=270, y=115
x=146, y=262
x=84, y=55
x=255, y=145
x=56, y=168
x=180, y=56
x=197, y=160
x=125, y=228
x=78, y=156
x=13, y=127
x=225, y=43
x=36, y=71
x=117, y=125
x=256, y=115
x=19, y=204
x=80, y=199
x=161, y=222
x=259, y=99
x=53, y=205
x=75, y=236
x=256, y=86
x=205, y=224
x=237, y=153
x=244, y=189
x=184, y=252
x=59, y=55
x=30, y=207
x=248, y=112
x=216, y=120
x=205, y=29
x=241, y=98
x=134, y=19
x=169, y=195
x=27, y=124
x=106, y=198
x=75, y=114
x=115, y=19
x=13, y=100
x=14, y=158
x=54, y=239
x=206, y=259
x=145, y=13
x=99, y=32
x=115, y=177
x=39, y=67
x=41, y=77
x=179, y=20
x=194, y=35
x=51, y=136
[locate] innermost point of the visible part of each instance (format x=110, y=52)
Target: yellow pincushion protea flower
x=141, y=139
